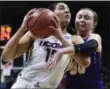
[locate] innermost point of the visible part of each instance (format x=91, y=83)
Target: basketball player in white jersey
x=35, y=74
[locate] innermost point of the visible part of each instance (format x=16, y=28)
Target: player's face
x=63, y=12
x=84, y=20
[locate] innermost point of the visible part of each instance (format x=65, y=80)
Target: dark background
x=12, y=13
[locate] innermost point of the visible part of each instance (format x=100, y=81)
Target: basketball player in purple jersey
x=85, y=23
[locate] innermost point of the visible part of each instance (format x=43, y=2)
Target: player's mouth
x=67, y=16
x=82, y=24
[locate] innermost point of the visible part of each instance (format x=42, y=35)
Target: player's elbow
x=6, y=57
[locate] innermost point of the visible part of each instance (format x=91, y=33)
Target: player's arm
x=19, y=43
x=82, y=59
x=87, y=48
x=70, y=49
x=25, y=44
x=94, y=44
x=98, y=40
x=82, y=50
x=58, y=32
x=16, y=46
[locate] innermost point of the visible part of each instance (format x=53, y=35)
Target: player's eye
x=61, y=7
x=79, y=16
x=86, y=17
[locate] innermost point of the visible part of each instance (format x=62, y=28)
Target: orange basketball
x=39, y=23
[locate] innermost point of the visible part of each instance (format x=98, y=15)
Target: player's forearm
x=84, y=60
x=86, y=48
x=67, y=50
x=11, y=47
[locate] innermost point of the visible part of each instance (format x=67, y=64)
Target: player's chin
x=66, y=22
x=82, y=29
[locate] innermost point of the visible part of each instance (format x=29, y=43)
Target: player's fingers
x=51, y=66
x=54, y=22
x=49, y=60
x=54, y=29
x=57, y=19
x=54, y=65
x=30, y=16
x=51, y=27
x=48, y=64
x=73, y=65
x=81, y=69
x=31, y=11
x=74, y=70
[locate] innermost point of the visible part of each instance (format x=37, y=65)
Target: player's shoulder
x=76, y=37
x=95, y=35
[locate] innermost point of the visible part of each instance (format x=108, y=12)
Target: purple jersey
x=92, y=77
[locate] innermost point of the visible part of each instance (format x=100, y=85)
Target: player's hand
x=75, y=68
x=57, y=28
x=51, y=64
x=81, y=69
x=73, y=71
x=26, y=18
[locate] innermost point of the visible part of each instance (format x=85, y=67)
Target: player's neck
x=64, y=30
x=85, y=34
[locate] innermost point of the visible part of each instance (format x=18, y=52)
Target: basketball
x=40, y=21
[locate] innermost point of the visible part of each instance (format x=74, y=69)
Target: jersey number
x=50, y=52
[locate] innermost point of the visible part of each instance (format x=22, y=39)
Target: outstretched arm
x=81, y=50
x=82, y=59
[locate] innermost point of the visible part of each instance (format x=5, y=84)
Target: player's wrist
x=23, y=28
x=4, y=62
x=60, y=36
x=59, y=52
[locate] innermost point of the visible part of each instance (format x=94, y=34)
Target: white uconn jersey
x=36, y=71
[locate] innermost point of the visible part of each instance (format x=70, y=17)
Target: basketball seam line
x=38, y=19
